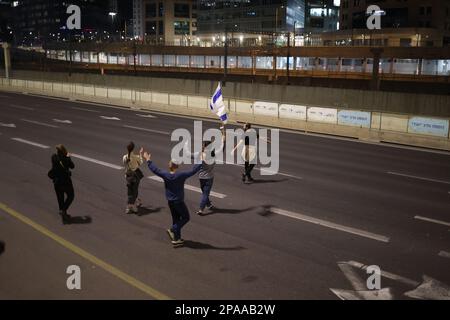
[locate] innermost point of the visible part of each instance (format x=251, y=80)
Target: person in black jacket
x=62, y=181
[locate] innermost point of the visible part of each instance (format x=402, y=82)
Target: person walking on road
x=61, y=176
x=174, y=185
x=133, y=175
x=206, y=173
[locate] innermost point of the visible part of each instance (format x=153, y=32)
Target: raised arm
x=193, y=171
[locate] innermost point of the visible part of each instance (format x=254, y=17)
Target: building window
x=161, y=9
x=160, y=27
x=181, y=27
x=150, y=10
x=181, y=10
x=150, y=27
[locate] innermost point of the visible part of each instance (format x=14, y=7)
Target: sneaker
x=138, y=203
x=200, y=212
x=210, y=207
x=178, y=242
x=250, y=179
x=243, y=177
x=171, y=235
x=66, y=219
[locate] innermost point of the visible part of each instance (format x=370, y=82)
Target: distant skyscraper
x=322, y=15
x=42, y=20
x=216, y=16
x=168, y=21
x=433, y=14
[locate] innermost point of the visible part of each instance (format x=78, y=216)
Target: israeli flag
x=217, y=106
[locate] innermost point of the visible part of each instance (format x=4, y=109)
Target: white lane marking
x=331, y=225
x=102, y=163
x=192, y=188
x=444, y=254
x=417, y=177
x=31, y=143
x=147, y=130
x=145, y=115
x=40, y=123
x=20, y=107
x=62, y=121
x=110, y=118
x=444, y=223
x=84, y=109
x=8, y=125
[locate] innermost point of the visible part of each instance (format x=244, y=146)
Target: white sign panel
x=292, y=111
x=266, y=108
x=430, y=126
x=327, y=115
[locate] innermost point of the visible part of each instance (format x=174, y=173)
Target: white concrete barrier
x=79, y=89
x=428, y=126
x=48, y=86
x=114, y=93
x=127, y=94
x=67, y=87
x=161, y=98
x=101, y=92
x=394, y=122
x=144, y=96
x=354, y=118
x=294, y=112
x=326, y=115
x=57, y=87
x=178, y=100
x=89, y=91
x=265, y=108
x=243, y=106
x=197, y=102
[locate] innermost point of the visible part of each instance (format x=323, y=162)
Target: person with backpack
x=133, y=175
x=61, y=175
x=174, y=184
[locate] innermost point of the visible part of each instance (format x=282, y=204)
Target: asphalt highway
x=305, y=233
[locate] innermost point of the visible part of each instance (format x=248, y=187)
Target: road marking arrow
x=62, y=121
x=8, y=125
x=428, y=289
x=110, y=118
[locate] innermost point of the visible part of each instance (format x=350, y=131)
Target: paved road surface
x=335, y=200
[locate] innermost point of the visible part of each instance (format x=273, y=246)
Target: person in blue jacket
x=174, y=184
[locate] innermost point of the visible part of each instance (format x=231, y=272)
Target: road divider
x=148, y=130
x=331, y=225
x=86, y=255
x=99, y=162
x=7, y=125
x=62, y=121
x=39, y=123
x=192, y=188
x=20, y=107
x=417, y=177
x=444, y=223
x=110, y=118
x=31, y=143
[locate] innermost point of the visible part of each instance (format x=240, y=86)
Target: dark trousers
x=206, y=186
x=133, y=189
x=180, y=216
x=65, y=195
x=248, y=169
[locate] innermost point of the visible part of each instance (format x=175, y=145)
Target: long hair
x=61, y=151
x=130, y=148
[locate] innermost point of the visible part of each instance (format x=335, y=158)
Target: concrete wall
x=409, y=129
x=394, y=102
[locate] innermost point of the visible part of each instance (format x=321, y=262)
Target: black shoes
x=66, y=219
